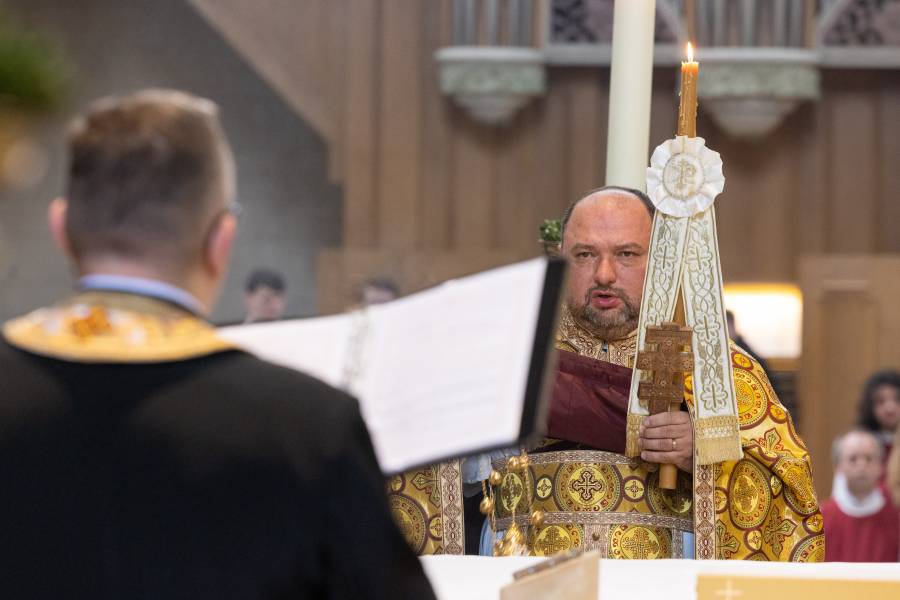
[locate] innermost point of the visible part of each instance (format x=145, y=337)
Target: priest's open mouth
x=605, y=300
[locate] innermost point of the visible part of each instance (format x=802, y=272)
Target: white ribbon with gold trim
x=683, y=181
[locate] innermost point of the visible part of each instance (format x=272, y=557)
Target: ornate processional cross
x=668, y=355
x=669, y=361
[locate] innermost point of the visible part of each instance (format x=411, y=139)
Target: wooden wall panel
x=888, y=228
x=850, y=328
x=474, y=183
x=809, y=128
x=437, y=134
x=853, y=197
x=400, y=127
x=550, y=175
x=517, y=196
x=360, y=112
x=582, y=142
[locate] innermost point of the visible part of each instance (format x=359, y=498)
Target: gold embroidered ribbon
x=683, y=180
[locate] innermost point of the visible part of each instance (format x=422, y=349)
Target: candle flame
x=690, y=52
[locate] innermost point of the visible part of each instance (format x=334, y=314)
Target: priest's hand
x=668, y=438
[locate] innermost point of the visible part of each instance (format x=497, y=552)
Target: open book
x=454, y=370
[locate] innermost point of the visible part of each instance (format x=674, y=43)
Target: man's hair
x=837, y=446
x=264, y=278
x=867, y=418
x=382, y=283
x=146, y=172
x=607, y=188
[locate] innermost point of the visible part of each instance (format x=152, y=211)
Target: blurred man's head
x=606, y=239
x=378, y=291
x=730, y=325
x=859, y=457
x=264, y=296
x=149, y=191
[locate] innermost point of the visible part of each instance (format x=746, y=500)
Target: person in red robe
x=861, y=522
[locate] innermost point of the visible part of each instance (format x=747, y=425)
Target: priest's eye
x=628, y=254
x=583, y=254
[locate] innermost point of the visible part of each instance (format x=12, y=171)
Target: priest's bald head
x=606, y=239
x=148, y=192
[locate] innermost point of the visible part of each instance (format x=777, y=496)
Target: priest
x=579, y=490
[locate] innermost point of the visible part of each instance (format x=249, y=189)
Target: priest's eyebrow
x=629, y=247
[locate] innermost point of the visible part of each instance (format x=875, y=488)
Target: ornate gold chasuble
x=113, y=327
x=762, y=507
x=427, y=505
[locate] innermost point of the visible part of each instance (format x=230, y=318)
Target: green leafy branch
x=33, y=73
x=551, y=231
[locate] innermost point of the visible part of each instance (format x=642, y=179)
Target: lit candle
x=687, y=108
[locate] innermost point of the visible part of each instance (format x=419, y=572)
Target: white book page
x=440, y=373
x=446, y=370
x=318, y=347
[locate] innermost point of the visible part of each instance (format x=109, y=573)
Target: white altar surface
x=480, y=578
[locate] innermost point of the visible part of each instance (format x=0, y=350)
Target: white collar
x=850, y=505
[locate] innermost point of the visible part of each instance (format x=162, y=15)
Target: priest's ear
x=56, y=221
x=217, y=253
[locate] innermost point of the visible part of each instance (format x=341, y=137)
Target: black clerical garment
x=141, y=457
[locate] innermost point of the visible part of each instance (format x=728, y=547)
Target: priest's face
x=606, y=242
x=860, y=462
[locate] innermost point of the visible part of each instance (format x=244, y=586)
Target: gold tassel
x=633, y=434
x=717, y=439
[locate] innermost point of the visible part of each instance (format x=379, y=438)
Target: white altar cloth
x=481, y=577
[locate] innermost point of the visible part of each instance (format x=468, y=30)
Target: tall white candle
x=630, y=83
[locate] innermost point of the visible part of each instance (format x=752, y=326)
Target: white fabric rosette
x=684, y=176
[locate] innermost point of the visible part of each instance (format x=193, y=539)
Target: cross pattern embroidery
x=634, y=489
x=544, y=488
x=427, y=482
x=586, y=485
x=680, y=176
x=510, y=493
x=552, y=542
x=744, y=493
x=668, y=355
x=775, y=531
x=641, y=545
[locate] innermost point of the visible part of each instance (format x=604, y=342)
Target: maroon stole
x=589, y=403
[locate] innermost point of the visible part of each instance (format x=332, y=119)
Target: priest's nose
x=605, y=271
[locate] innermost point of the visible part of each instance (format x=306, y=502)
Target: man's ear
x=56, y=222
x=221, y=241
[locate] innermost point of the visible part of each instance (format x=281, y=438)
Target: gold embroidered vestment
x=762, y=507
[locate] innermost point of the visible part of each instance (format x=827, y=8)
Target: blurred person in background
x=879, y=406
x=378, y=290
x=264, y=296
x=893, y=470
x=861, y=523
